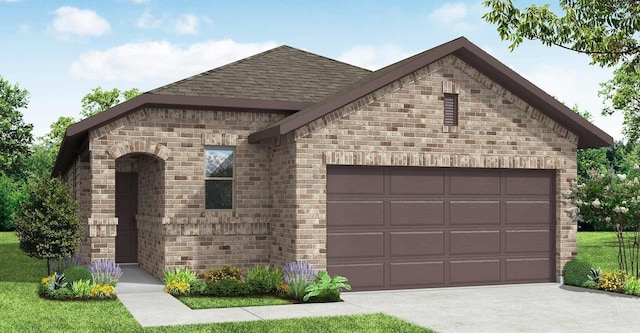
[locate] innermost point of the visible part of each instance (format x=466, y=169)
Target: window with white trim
x=219, y=193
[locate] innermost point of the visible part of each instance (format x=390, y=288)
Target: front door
x=126, y=210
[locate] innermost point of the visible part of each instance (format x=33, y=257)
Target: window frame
x=232, y=178
x=454, y=110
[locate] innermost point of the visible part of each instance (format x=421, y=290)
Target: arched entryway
x=139, y=207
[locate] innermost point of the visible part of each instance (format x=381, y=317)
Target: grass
x=599, y=248
x=230, y=302
x=21, y=310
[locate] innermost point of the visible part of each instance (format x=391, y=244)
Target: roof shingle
x=283, y=73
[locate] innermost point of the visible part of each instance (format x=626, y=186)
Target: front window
x=219, y=178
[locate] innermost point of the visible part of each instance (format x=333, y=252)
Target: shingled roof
x=283, y=73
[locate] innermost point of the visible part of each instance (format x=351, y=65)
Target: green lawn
x=599, y=248
x=230, y=302
x=21, y=310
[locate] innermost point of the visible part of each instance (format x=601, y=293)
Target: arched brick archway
x=139, y=202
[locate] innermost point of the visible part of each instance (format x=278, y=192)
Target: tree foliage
x=604, y=30
x=47, y=222
x=99, y=100
x=623, y=94
x=15, y=135
x=611, y=200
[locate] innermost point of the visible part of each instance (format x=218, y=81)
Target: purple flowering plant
x=105, y=271
x=298, y=275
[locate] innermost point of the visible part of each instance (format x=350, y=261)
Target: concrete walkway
x=142, y=294
x=546, y=307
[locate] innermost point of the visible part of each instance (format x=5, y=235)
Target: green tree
x=623, y=94
x=15, y=135
x=99, y=100
x=47, y=222
x=12, y=193
x=611, y=201
x=605, y=30
x=53, y=139
x=591, y=158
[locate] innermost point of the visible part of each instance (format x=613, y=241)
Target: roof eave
x=77, y=132
x=589, y=135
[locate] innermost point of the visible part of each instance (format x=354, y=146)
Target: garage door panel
x=345, y=180
x=416, y=243
x=532, y=270
x=528, y=212
x=474, y=242
x=523, y=241
x=470, y=182
x=361, y=276
x=474, y=271
x=355, y=245
x=474, y=213
x=416, y=213
x=409, y=227
x=355, y=213
x=413, y=274
x=416, y=181
x=528, y=182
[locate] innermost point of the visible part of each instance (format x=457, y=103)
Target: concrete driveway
x=547, y=307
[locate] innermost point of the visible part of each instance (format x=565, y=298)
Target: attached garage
x=413, y=227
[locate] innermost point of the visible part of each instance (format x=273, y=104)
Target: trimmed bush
x=75, y=273
x=576, y=272
x=227, y=288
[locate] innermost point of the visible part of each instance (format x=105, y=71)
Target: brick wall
x=175, y=229
x=401, y=124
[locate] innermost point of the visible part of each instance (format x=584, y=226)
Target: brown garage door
x=405, y=227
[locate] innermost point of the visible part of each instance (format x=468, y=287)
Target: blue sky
x=60, y=50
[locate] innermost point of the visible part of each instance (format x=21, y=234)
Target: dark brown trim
x=589, y=135
x=78, y=132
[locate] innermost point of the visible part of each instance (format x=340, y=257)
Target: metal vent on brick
x=451, y=109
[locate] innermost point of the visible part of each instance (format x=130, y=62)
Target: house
x=444, y=169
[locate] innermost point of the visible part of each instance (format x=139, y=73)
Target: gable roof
x=283, y=73
x=588, y=134
x=283, y=79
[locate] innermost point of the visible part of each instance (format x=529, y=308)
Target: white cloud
x=450, y=13
x=161, y=60
x=72, y=21
x=458, y=17
x=374, y=57
x=148, y=21
x=187, y=24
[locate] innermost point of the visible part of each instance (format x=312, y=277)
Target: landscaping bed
x=24, y=311
x=227, y=286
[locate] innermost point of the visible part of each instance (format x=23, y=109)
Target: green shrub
x=223, y=272
x=264, y=279
x=632, y=286
x=179, y=274
x=590, y=284
x=325, y=296
x=197, y=287
x=75, y=273
x=226, y=288
x=63, y=293
x=576, y=272
x=81, y=288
